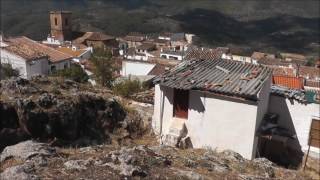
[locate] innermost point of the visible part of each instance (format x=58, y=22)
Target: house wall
x=136, y=68
x=163, y=109
x=38, y=67
x=221, y=123
x=296, y=117
x=59, y=65
x=213, y=121
x=263, y=105
x=26, y=69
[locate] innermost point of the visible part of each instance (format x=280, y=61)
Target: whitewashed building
x=217, y=104
x=32, y=58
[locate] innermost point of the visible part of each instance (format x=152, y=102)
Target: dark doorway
x=181, y=103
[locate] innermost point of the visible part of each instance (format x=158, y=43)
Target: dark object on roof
x=217, y=76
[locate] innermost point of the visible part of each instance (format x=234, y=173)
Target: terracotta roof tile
x=309, y=72
x=71, y=52
x=30, y=50
x=289, y=82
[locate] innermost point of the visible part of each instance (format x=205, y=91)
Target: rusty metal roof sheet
x=217, y=76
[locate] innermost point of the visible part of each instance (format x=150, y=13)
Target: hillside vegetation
x=265, y=25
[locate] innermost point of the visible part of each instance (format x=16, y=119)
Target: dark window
x=66, y=22
x=56, y=21
x=65, y=66
x=53, y=69
x=181, y=103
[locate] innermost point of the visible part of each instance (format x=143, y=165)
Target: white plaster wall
x=16, y=62
x=221, y=124
x=60, y=65
x=38, y=67
x=263, y=105
x=136, y=68
x=296, y=117
x=163, y=109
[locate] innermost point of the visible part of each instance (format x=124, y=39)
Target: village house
x=175, y=55
x=142, y=53
x=32, y=58
x=259, y=56
x=77, y=54
x=294, y=58
x=212, y=103
x=206, y=53
x=134, y=39
x=98, y=40
x=294, y=108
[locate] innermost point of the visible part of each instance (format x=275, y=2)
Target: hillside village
x=256, y=105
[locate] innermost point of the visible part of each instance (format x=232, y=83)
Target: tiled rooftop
x=224, y=77
x=288, y=81
x=32, y=50
x=204, y=53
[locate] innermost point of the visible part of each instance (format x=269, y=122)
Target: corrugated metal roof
x=218, y=76
x=288, y=81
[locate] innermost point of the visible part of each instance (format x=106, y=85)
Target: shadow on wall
x=282, y=146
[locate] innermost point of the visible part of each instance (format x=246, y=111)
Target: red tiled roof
x=309, y=72
x=31, y=50
x=287, y=81
x=284, y=71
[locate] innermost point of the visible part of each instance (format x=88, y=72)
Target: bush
x=127, y=87
x=6, y=71
x=75, y=73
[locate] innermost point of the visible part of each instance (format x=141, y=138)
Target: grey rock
x=27, y=150
x=189, y=174
x=20, y=172
x=76, y=164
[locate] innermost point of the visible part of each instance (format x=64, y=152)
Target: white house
x=176, y=55
x=212, y=103
x=136, y=68
x=28, y=61
x=32, y=58
x=295, y=113
x=141, y=53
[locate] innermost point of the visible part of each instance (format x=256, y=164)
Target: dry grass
x=10, y=163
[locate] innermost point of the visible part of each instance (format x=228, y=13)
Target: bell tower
x=61, y=26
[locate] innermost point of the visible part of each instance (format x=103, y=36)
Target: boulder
x=26, y=150
x=20, y=172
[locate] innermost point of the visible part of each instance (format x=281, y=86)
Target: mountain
x=265, y=25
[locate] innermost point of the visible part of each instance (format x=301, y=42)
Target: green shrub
x=75, y=73
x=6, y=71
x=127, y=87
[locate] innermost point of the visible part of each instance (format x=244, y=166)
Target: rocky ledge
x=32, y=160
x=61, y=112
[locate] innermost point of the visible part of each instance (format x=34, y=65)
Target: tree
x=75, y=72
x=103, y=66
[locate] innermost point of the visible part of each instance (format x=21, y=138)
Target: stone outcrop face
x=49, y=110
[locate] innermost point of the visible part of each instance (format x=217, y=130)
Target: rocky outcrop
x=61, y=111
x=32, y=154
